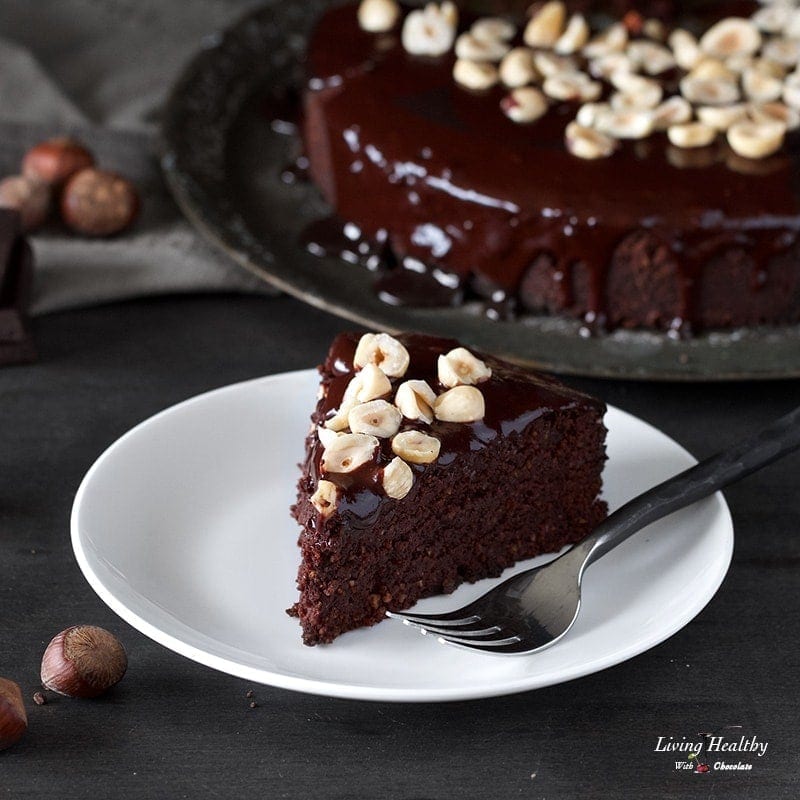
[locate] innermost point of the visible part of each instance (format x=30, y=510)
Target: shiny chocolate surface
x=515, y=398
x=457, y=186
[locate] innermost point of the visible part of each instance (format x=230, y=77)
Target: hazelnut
x=613, y=39
x=572, y=87
x=589, y=113
x=493, y=28
x=99, y=203
x=548, y=64
x=56, y=160
x=460, y=367
x=685, y=48
x=13, y=719
x=760, y=87
x=524, y=105
x=766, y=67
x=324, y=498
x=517, y=68
x=430, y=31
x=672, y=111
x=584, y=142
x=785, y=52
x=471, y=48
x=721, y=117
x=632, y=123
x=691, y=134
x=642, y=92
x=709, y=91
x=377, y=418
x=448, y=11
x=740, y=62
x=791, y=90
x=83, y=661
x=398, y=479
x=756, y=139
x=378, y=16
x=772, y=18
x=30, y=198
x=368, y=384
x=610, y=64
x=731, y=36
x=775, y=112
x=575, y=35
x=338, y=422
x=546, y=25
x=416, y=447
x=714, y=69
x=348, y=452
x=415, y=400
x=651, y=57
x=475, y=75
x=460, y=404
x=327, y=436
x=384, y=351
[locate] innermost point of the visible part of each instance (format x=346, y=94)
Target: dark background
x=173, y=728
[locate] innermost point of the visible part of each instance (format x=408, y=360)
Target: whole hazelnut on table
x=30, y=198
x=13, y=719
x=83, y=661
x=56, y=160
x=99, y=203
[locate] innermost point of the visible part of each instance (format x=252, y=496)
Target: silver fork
x=535, y=608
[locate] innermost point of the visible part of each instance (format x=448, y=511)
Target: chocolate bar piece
x=16, y=280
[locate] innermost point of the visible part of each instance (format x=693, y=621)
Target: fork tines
x=469, y=631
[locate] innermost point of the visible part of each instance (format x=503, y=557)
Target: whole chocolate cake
x=625, y=171
x=428, y=465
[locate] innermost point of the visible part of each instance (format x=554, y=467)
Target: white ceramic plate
x=182, y=527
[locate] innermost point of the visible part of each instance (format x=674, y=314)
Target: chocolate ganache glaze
x=443, y=181
x=513, y=401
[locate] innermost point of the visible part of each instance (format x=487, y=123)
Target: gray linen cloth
x=100, y=70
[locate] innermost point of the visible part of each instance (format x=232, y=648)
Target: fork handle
x=769, y=444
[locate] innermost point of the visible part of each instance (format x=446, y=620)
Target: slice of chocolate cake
x=428, y=465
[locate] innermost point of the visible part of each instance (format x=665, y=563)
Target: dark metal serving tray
x=222, y=161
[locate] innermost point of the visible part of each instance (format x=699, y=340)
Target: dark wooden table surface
x=173, y=728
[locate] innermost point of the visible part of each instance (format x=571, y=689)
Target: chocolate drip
x=296, y=171
x=408, y=282
x=282, y=107
x=415, y=284
x=331, y=236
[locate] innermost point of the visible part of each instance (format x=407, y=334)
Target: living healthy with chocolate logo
x=725, y=749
